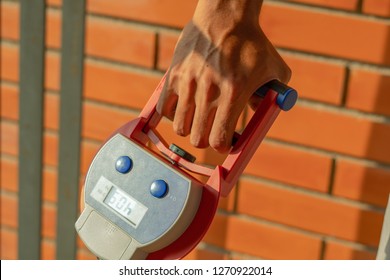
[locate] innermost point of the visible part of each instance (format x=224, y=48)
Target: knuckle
x=235, y=87
x=219, y=144
x=199, y=142
x=211, y=89
x=285, y=73
x=180, y=130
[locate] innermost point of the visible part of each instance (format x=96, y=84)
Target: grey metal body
x=153, y=222
x=384, y=244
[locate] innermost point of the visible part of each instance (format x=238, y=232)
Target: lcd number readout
x=212, y=271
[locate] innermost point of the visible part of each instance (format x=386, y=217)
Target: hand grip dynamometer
x=143, y=205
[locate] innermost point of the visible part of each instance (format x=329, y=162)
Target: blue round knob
x=123, y=164
x=287, y=99
x=159, y=188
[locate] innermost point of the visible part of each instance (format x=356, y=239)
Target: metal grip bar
x=276, y=96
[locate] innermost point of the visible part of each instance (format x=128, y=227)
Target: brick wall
x=317, y=186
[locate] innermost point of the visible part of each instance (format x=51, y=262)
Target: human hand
x=221, y=58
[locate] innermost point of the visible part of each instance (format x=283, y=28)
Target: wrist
x=228, y=11
x=215, y=18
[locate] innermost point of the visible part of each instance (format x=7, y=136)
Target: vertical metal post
x=72, y=55
x=31, y=76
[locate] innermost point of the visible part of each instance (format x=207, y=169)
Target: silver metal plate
x=150, y=217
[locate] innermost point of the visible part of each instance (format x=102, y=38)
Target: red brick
x=9, y=215
x=367, y=183
x=88, y=151
x=9, y=138
x=9, y=179
x=52, y=71
x=9, y=18
x=99, y=122
x=154, y=11
x=8, y=244
x=50, y=149
x=49, y=221
x=305, y=211
x=367, y=91
x=167, y=12
x=53, y=28
x=292, y=166
x=261, y=240
x=344, y=4
x=228, y=203
x=9, y=62
x=9, y=102
x=120, y=42
x=334, y=131
x=104, y=38
x=326, y=33
x=52, y=111
x=50, y=143
x=48, y=250
x=218, y=232
x=49, y=187
x=9, y=143
x=377, y=7
x=9, y=174
x=110, y=39
x=10, y=66
x=166, y=46
x=55, y=3
x=9, y=210
x=116, y=85
x=338, y=251
x=316, y=79
x=103, y=82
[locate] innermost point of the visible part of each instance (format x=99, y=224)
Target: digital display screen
x=125, y=205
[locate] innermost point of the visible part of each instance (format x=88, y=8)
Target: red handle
x=241, y=152
x=149, y=112
x=248, y=142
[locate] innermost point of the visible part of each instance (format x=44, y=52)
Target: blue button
x=123, y=164
x=159, y=188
